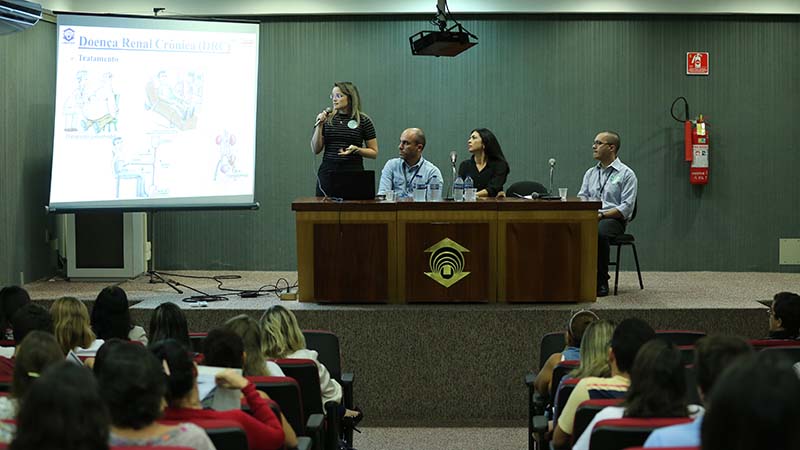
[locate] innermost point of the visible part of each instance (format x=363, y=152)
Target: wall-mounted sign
x=446, y=262
x=696, y=63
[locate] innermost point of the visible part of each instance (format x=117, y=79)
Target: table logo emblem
x=446, y=262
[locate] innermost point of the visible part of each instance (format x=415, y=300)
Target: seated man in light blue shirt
x=712, y=355
x=615, y=185
x=399, y=173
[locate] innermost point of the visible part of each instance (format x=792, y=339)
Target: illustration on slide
x=136, y=166
x=226, y=166
x=94, y=104
x=175, y=97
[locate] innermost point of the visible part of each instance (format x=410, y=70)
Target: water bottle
x=469, y=190
x=434, y=189
x=420, y=189
x=458, y=189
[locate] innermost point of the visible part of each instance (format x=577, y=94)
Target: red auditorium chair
x=304, y=371
x=664, y=448
x=559, y=371
x=586, y=412
x=224, y=434
x=619, y=434
x=5, y=383
x=326, y=344
x=549, y=344
x=760, y=344
x=680, y=337
x=286, y=393
x=197, y=339
x=129, y=447
x=790, y=351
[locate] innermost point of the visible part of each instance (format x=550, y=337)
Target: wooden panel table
x=506, y=250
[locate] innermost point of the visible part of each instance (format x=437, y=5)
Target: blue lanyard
x=405, y=177
x=600, y=176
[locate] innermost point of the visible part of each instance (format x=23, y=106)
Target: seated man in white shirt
x=399, y=174
x=712, y=355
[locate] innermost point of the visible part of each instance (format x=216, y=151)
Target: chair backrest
x=304, y=371
x=559, y=371
x=5, y=383
x=525, y=188
x=586, y=412
x=128, y=447
x=759, y=344
x=326, y=344
x=224, y=434
x=286, y=393
x=618, y=434
x=664, y=448
x=550, y=343
x=692, y=395
x=680, y=337
x=687, y=354
x=791, y=352
x=197, y=339
x=562, y=395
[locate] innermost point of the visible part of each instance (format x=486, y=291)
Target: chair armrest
x=530, y=378
x=304, y=443
x=315, y=429
x=539, y=424
x=347, y=389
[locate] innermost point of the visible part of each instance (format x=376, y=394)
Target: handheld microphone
x=453, y=158
x=328, y=110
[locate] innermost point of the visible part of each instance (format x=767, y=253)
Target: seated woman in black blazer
x=487, y=167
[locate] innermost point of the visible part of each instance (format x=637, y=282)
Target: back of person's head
x=282, y=334
x=628, y=338
x=577, y=325
x=786, y=308
x=754, y=405
x=169, y=322
x=180, y=369
x=223, y=348
x=594, y=350
x=105, y=350
x=658, y=383
x=35, y=353
x=253, y=340
x=62, y=410
x=31, y=317
x=110, y=315
x=132, y=383
x=11, y=299
x=713, y=354
x=71, y=324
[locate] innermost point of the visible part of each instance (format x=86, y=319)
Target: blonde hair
x=253, y=339
x=282, y=335
x=71, y=324
x=353, y=100
x=594, y=350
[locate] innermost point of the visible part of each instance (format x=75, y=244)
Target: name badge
x=352, y=124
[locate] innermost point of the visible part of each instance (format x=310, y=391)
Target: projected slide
x=154, y=113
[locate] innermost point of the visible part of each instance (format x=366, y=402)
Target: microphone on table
x=328, y=110
x=453, y=158
x=552, y=162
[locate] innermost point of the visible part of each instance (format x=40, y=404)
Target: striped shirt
x=342, y=132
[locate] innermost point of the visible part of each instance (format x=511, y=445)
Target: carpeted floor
x=441, y=439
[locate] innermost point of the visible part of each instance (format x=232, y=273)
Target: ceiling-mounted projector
x=445, y=42
x=18, y=15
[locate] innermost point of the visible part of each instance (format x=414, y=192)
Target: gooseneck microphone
x=552, y=162
x=453, y=158
x=328, y=110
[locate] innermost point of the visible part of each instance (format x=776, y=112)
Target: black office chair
x=523, y=188
x=626, y=239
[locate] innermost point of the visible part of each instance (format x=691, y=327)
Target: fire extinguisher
x=695, y=144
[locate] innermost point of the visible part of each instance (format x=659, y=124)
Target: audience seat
x=5, y=383
x=304, y=371
x=586, y=412
x=197, y=339
x=619, y=434
x=790, y=351
x=680, y=337
x=286, y=393
x=759, y=344
x=561, y=369
x=692, y=395
x=664, y=448
x=551, y=343
x=224, y=434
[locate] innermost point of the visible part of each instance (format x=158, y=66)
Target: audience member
x=72, y=328
x=658, y=389
x=35, y=353
x=132, y=383
x=105, y=350
x=62, y=411
x=224, y=348
x=628, y=337
x=112, y=319
x=252, y=336
x=263, y=428
x=29, y=317
x=754, y=405
x=11, y=299
x=572, y=336
x=784, y=316
x=594, y=356
x=712, y=355
x=168, y=322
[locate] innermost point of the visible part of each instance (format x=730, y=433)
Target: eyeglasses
x=337, y=96
x=599, y=143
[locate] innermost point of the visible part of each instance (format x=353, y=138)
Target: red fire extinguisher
x=698, y=173
x=695, y=144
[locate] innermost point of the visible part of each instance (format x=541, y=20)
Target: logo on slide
x=447, y=262
x=69, y=34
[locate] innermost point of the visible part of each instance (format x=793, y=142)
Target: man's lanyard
x=416, y=172
x=600, y=177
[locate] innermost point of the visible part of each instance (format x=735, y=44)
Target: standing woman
x=346, y=134
x=487, y=167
